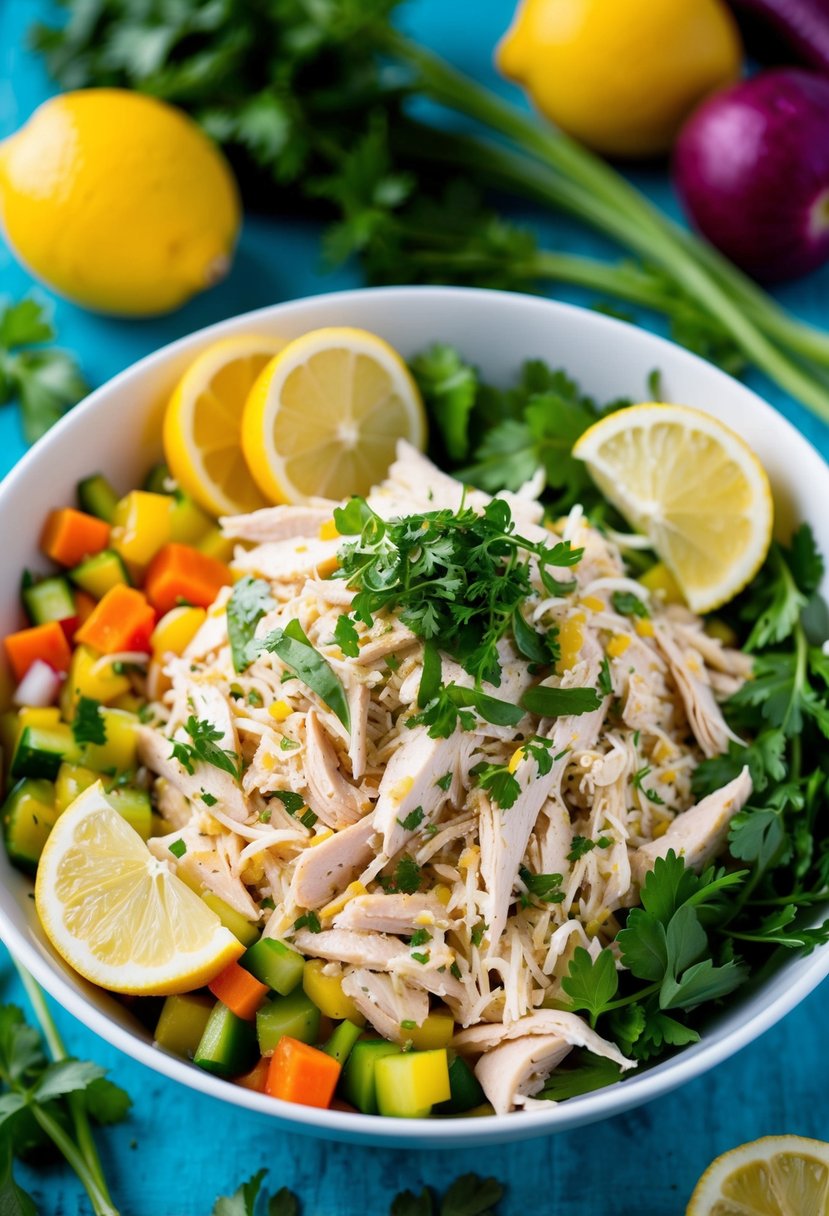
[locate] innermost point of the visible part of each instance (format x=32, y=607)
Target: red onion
x=39, y=687
x=802, y=25
x=752, y=169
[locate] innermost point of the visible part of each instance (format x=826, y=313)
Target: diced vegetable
x=238, y=925
x=257, y=1078
x=410, y=1084
x=274, y=964
x=182, y=1023
x=118, y=753
x=39, y=687
x=359, y=1080
x=299, y=1073
x=176, y=630
x=135, y=806
x=72, y=780
x=142, y=525
x=342, y=1040
x=239, y=990
x=228, y=1045
x=465, y=1088
x=100, y=573
x=122, y=621
x=326, y=991
x=97, y=497
x=41, y=750
x=49, y=600
x=435, y=1032
x=214, y=544
x=84, y=604
x=294, y=1015
x=91, y=676
x=189, y=524
x=46, y=642
x=181, y=574
x=70, y=536
x=28, y=816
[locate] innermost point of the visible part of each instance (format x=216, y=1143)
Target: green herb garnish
x=203, y=748
x=292, y=646
x=250, y=600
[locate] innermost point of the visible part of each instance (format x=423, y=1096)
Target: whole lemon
x=118, y=201
x=621, y=75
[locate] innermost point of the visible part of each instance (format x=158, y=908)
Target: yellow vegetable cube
x=409, y=1085
x=435, y=1032
x=216, y=545
x=326, y=991
x=119, y=752
x=242, y=928
x=142, y=524
x=176, y=630
x=92, y=676
x=72, y=780
x=188, y=523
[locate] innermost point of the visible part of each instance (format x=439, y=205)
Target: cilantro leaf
x=250, y=600
x=89, y=724
x=292, y=646
x=14, y=1201
x=501, y=785
x=449, y=387
x=45, y=381
x=702, y=982
x=203, y=748
x=413, y=820
x=346, y=636
x=545, y=887
x=65, y=1077
x=590, y=983
x=628, y=604
x=406, y=879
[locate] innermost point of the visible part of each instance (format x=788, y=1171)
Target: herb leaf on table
x=44, y=380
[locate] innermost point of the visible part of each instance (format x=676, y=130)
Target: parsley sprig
x=203, y=748
x=45, y=381
x=469, y=1195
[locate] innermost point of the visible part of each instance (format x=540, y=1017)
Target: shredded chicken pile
x=494, y=958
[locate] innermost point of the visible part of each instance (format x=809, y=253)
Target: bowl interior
x=117, y=432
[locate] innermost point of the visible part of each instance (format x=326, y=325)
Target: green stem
x=80, y=1119
x=641, y=995
x=101, y=1202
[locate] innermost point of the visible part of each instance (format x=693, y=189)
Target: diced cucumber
x=100, y=573
x=49, y=600
x=214, y=544
x=182, y=1023
x=228, y=1045
x=28, y=816
x=294, y=1015
x=465, y=1089
x=41, y=750
x=135, y=806
x=238, y=925
x=275, y=964
x=358, y=1080
x=158, y=480
x=410, y=1084
x=342, y=1040
x=97, y=497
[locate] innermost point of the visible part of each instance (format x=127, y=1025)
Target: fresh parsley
x=250, y=600
x=309, y=921
x=178, y=848
x=43, y=380
x=406, y=878
x=628, y=604
x=203, y=748
x=545, y=887
x=293, y=803
x=413, y=820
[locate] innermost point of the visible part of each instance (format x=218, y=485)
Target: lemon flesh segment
x=325, y=415
x=692, y=486
x=203, y=424
x=775, y=1176
x=120, y=916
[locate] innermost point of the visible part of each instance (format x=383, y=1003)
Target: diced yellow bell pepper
x=188, y=523
x=120, y=751
x=142, y=524
x=409, y=1085
x=661, y=582
x=238, y=925
x=92, y=676
x=328, y=530
x=72, y=780
x=176, y=630
x=326, y=991
x=216, y=545
x=48, y=717
x=182, y=1021
x=435, y=1032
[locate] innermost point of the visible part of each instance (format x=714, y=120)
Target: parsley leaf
x=89, y=724
x=449, y=387
x=293, y=803
x=250, y=600
x=305, y=661
x=406, y=879
x=413, y=820
x=582, y=1073
x=203, y=748
x=45, y=381
x=543, y=886
x=590, y=983
x=627, y=604
x=471, y=1195
x=346, y=636
x=501, y=785
x=309, y=921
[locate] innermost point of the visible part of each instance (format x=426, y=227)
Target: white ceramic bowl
x=117, y=431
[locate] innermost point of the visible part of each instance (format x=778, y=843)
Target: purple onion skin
x=802, y=24
x=751, y=167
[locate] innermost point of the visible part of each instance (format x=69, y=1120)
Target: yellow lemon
x=775, y=1176
x=693, y=487
x=621, y=77
x=118, y=915
x=118, y=201
x=324, y=417
x=203, y=423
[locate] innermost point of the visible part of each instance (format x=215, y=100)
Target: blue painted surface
x=179, y=1150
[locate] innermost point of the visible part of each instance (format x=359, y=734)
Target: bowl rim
x=356, y=1127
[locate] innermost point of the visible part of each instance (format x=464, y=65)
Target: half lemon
x=775, y=1176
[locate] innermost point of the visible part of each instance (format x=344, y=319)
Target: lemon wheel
x=775, y=1176
x=692, y=486
x=118, y=915
x=324, y=417
x=203, y=424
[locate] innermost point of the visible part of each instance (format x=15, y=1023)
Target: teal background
x=179, y=1150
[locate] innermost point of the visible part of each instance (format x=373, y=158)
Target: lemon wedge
x=118, y=915
x=693, y=487
x=203, y=422
x=775, y=1176
x=325, y=415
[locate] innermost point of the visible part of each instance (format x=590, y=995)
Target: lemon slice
x=775, y=1176
x=118, y=915
x=203, y=422
x=693, y=487
x=325, y=415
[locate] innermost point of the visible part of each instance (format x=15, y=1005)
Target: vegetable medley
x=457, y=774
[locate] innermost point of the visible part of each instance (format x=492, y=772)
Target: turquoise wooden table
x=179, y=1150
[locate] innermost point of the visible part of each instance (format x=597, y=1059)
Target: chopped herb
x=637, y=734
x=605, y=679
x=267, y=902
x=444, y=782
x=309, y=921
x=265, y=815
x=178, y=848
x=651, y=794
x=208, y=799
x=89, y=725
x=421, y=957
x=430, y=830
x=308, y=819
x=627, y=604
x=420, y=937
x=452, y=707
x=413, y=819
x=477, y=934
x=203, y=748
x=255, y=697
x=288, y=745
x=293, y=803
x=408, y=1025
x=407, y=877
x=543, y=886
x=392, y=662
x=145, y=714
x=549, y=702
x=293, y=648
x=250, y=600
x=346, y=636
x=455, y=970
x=502, y=786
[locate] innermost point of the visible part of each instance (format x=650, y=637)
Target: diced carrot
x=121, y=620
x=179, y=574
x=47, y=642
x=299, y=1073
x=257, y=1078
x=69, y=536
x=239, y=990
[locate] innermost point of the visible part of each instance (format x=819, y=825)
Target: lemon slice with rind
x=691, y=485
x=324, y=417
x=117, y=914
x=203, y=423
x=775, y=1176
